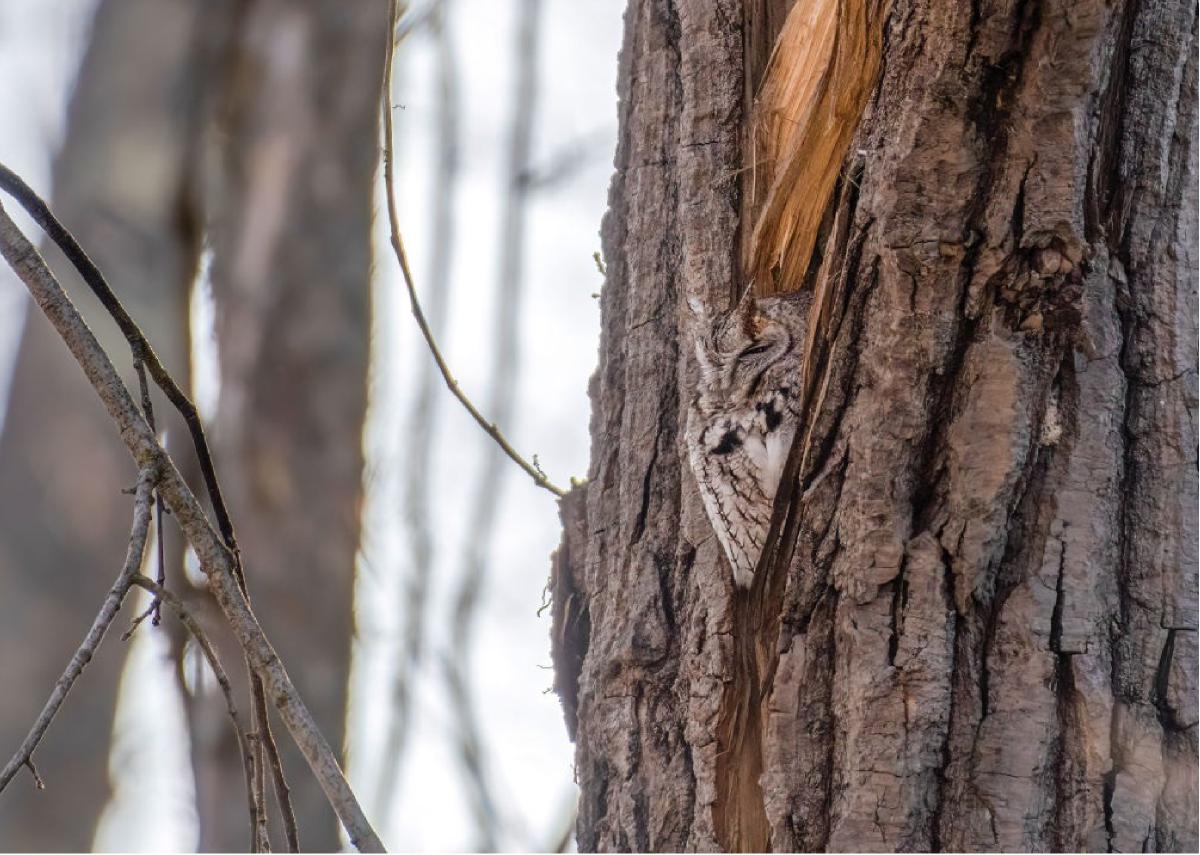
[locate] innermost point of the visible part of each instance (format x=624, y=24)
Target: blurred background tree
x=219, y=161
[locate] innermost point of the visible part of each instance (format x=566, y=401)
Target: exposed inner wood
x=822, y=69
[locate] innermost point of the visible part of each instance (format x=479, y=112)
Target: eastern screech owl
x=741, y=423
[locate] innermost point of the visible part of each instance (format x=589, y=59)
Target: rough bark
x=122, y=185
x=976, y=628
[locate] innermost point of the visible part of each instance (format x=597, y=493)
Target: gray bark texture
x=975, y=625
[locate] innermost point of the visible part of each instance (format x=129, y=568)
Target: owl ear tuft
x=702, y=356
x=746, y=311
x=701, y=332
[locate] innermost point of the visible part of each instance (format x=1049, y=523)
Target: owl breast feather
x=728, y=460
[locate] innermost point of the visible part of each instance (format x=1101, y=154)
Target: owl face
x=737, y=350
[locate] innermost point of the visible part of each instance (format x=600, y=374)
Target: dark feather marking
x=729, y=443
x=773, y=416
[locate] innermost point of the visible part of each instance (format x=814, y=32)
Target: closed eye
x=755, y=349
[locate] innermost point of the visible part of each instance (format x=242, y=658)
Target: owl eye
x=755, y=349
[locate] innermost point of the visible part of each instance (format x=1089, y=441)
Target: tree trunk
x=290, y=222
x=974, y=625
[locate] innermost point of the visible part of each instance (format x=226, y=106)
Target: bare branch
x=422, y=422
x=145, y=359
x=261, y=838
x=162, y=595
x=414, y=302
x=160, y=541
x=91, y=642
x=283, y=793
x=36, y=207
x=219, y=563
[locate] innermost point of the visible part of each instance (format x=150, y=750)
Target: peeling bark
x=976, y=629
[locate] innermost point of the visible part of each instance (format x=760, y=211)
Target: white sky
x=530, y=756
x=531, y=771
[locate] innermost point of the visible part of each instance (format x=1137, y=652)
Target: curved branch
x=531, y=469
x=143, y=353
x=91, y=642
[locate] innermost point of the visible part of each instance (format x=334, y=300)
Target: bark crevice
x=972, y=626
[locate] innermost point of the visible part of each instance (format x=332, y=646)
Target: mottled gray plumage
x=742, y=420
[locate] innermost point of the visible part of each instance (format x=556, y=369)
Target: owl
x=743, y=417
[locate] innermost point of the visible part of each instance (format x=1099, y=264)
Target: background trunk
x=252, y=126
x=977, y=628
x=123, y=185
x=291, y=183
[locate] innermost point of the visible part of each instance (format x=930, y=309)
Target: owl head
x=737, y=349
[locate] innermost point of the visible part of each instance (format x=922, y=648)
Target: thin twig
x=261, y=841
x=219, y=563
x=283, y=793
x=414, y=303
x=421, y=427
x=91, y=642
x=148, y=410
x=137, y=621
x=144, y=355
x=139, y=345
x=162, y=595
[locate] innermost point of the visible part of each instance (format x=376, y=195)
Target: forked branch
x=162, y=595
x=219, y=563
x=91, y=642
